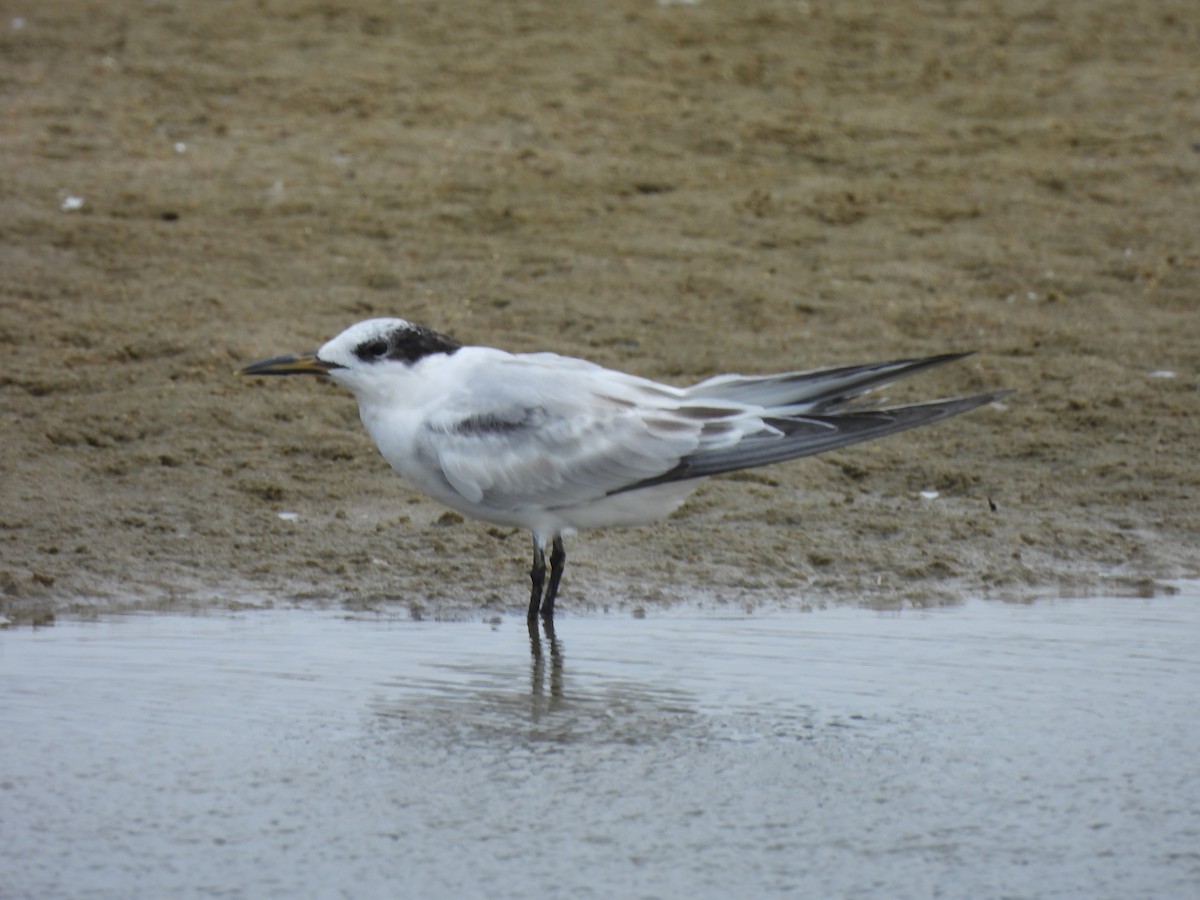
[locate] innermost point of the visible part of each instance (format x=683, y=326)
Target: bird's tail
x=813, y=391
x=797, y=436
x=812, y=412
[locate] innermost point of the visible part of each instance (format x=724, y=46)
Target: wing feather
x=547, y=436
x=814, y=390
x=543, y=432
x=807, y=435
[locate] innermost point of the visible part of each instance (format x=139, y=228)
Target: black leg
x=538, y=576
x=558, y=561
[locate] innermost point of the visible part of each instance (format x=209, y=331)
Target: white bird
x=555, y=444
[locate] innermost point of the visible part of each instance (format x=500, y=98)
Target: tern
x=554, y=444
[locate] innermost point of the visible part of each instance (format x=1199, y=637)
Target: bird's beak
x=294, y=364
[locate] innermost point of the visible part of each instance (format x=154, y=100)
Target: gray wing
x=543, y=434
x=797, y=436
x=815, y=390
x=546, y=432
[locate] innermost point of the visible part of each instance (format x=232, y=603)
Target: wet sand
x=675, y=190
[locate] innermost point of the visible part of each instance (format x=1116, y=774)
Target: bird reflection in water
x=539, y=650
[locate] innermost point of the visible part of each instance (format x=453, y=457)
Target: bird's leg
x=538, y=576
x=558, y=561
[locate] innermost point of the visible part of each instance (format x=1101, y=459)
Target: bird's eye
x=374, y=350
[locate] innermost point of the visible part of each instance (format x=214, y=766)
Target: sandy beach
x=674, y=190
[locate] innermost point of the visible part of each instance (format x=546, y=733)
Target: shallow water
x=985, y=750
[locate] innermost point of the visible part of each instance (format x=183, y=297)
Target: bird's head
x=362, y=353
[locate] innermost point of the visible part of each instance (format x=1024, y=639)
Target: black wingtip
x=809, y=434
